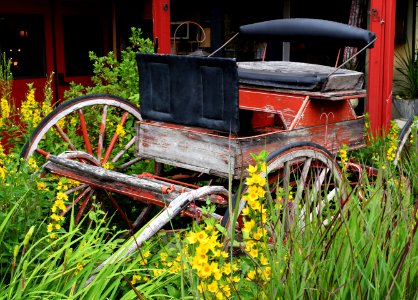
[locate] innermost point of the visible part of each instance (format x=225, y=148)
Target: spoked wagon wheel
x=97, y=130
x=408, y=142
x=406, y=157
x=305, y=183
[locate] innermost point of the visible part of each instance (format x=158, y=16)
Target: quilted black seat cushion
x=189, y=90
x=306, y=82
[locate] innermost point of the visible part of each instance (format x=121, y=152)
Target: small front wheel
x=304, y=183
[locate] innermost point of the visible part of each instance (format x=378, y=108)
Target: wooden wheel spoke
x=302, y=181
x=65, y=137
x=114, y=138
x=119, y=209
x=83, y=205
x=126, y=148
x=129, y=163
x=102, y=133
x=85, y=132
x=77, y=199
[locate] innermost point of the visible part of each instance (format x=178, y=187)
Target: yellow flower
x=204, y=271
x=59, y=203
x=120, y=131
x=191, y=237
x=163, y=256
x=263, y=260
x=56, y=217
x=108, y=166
x=202, y=249
x=33, y=165
x=226, y=269
x=246, y=211
x=201, y=236
x=41, y=186
x=254, y=253
x=251, y=275
x=61, y=196
x=248, y=226
x=213, y=287
x=263, y=167
x=258, y=179
x=251, y=169
x=57, y=226
x=135, y=279
x=201, y=287
x=50, y=227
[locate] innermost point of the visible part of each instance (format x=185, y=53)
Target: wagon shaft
x=148, y=190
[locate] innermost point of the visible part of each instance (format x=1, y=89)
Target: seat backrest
x=189, y=90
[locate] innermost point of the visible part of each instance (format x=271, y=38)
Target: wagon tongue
x=142, y=189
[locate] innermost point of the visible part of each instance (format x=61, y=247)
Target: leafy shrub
x=115, y=77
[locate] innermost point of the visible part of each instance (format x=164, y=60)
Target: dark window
x=81, y=35
x=22, y=39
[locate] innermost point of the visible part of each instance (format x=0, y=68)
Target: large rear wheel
x=98, y=130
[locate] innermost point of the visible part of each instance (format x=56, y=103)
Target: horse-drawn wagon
x=204, y=117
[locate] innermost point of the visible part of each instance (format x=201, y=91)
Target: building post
x=380, y=76
x=161, y=26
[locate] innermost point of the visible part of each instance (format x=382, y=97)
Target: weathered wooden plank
x=194, y=150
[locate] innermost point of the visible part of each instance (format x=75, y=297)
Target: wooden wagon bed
x=213, y=118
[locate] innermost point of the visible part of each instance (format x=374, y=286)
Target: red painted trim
x=379, y=104
x=161, y=25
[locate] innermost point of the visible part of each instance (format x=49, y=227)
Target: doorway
x=52, y=36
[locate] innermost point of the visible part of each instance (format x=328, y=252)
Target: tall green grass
x=370, y=251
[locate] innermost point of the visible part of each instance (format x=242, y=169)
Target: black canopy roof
x=310, y=30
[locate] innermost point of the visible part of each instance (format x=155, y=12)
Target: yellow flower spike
x=5, y=108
